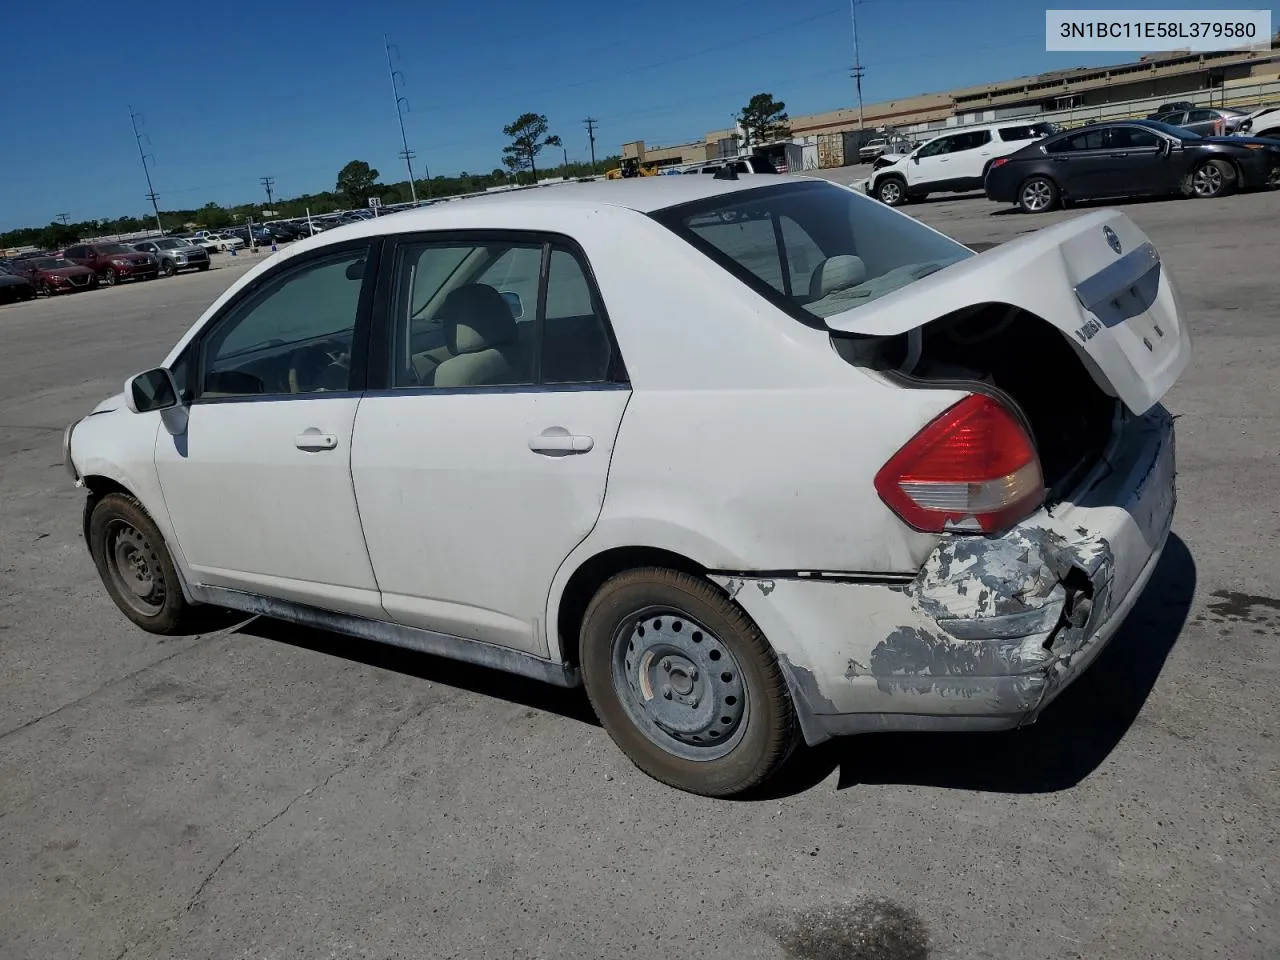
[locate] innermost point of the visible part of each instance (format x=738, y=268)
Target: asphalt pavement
x=270, y=792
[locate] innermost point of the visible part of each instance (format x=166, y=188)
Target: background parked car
x=1208, y=122
x=113, y=262
x=1264, y=122
x=1130, y=158
x=1174, y=107
x=218, y=241
x=50, y=275
x=175, y=255
x=14, y=287
x=951, y=163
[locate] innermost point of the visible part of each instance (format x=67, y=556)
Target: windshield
x=110, y=248
x=170, y=244
x=815, y=249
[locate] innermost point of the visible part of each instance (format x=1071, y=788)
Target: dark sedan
x=1128, y=159
x=14, y=287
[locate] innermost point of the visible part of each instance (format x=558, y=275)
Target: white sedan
x=755, y=462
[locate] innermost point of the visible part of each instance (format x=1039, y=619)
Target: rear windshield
x=1026, y=131
x=815, y=249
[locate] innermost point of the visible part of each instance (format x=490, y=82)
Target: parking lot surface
x=265, y=791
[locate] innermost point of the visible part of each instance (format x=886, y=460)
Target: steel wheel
x=1207, y=181
x=135, y=568
x=679, y=684
x=1037, y=195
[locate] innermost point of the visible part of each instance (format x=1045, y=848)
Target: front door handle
x=560, y=442
x=313, y=440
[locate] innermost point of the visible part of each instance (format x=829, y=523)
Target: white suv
x=952, y=163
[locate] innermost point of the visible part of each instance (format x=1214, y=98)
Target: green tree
x=764, y=119
x=528, y=137
x=357, y=182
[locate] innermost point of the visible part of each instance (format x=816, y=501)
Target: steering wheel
x=318, y=367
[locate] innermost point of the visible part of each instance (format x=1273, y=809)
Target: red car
x=50, y=275
x=113, y=262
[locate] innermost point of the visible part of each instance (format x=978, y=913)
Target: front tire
x=134, y=564
x=1213, y=178
x=892, y=191
x=1037, y=195
x=168, y=268
x=685, y=684
x=110, y=278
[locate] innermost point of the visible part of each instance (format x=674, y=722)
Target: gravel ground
x=265, y=791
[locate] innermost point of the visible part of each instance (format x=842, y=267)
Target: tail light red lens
x=973, y=469
x=999, y=162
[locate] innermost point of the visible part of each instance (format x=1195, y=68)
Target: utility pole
x=857, y=60
x=268, y=182
x=591, y=135
x=565, y=151
x=402, y=104
x=151, y=193
x=65, y=218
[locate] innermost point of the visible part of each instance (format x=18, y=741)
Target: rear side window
x=1023, y=132
x=1088, y=140
x=813, y=249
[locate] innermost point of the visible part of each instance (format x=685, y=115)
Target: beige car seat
x=480, y=335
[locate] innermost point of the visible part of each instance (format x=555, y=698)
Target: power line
x=402, y=104
x=151, y=192
x=858, y=70
x=268, y=183
x=591, y=135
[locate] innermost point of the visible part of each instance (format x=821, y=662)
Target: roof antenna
x=727, y=172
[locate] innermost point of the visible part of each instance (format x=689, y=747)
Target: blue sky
x=293, y=89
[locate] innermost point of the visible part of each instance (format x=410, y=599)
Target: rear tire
x=892, y=191
x=134, y=564
x=685, y=684
x=1037, y=195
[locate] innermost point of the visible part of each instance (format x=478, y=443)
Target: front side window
x=481, y=314
x=293, y=337
x=938, y=147
x=1133, y=138
x=814, y=249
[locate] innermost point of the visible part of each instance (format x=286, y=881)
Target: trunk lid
x=1097, y=278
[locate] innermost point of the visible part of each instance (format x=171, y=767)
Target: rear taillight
x=973, y=469
x=999, y=162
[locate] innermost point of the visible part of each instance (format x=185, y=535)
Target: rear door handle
x=313, y=440
x=560, y=443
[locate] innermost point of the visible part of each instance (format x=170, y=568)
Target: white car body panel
x=256, y=513
x=742, y=442
x=467, y=524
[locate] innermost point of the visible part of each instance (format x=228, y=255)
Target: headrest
x=836, y=273
x=476, y=317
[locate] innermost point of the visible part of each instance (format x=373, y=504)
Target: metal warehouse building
x=1071, y=96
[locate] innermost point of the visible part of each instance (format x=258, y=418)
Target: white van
x=952, y=163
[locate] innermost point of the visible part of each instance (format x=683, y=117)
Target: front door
x=930, y=167
x=483, y=463
x=1139, y=163
x=258, y=484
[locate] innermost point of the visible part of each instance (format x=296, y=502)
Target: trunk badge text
x=1111, y=238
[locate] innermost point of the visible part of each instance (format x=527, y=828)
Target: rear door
x=1097, y=278
x=974, y=151
x=1081, y=164
x=480, y=461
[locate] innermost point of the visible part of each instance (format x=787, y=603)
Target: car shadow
x=572, y=704
x=1071, y=739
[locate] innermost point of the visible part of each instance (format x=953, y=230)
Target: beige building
x=1205, y=78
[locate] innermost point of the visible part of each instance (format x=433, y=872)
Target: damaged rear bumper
x=990, y=630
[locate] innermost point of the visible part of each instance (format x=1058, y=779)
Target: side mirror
x=152, y=390
x=915, y=158
x=513, y=301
